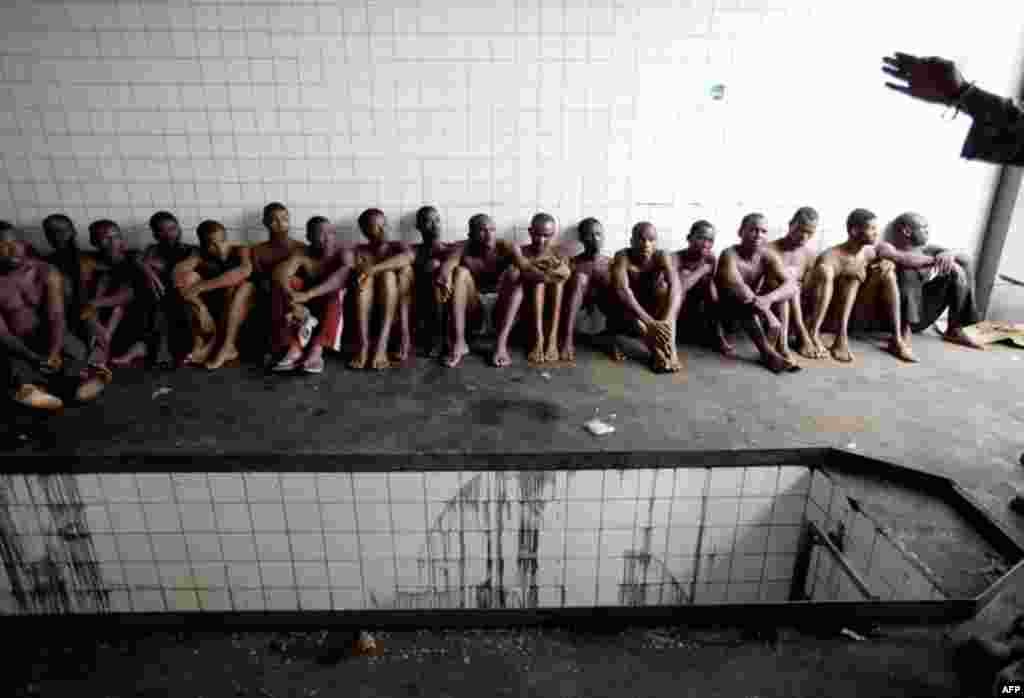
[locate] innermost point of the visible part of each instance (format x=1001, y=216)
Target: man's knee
x=461, y=276
x=186, y=279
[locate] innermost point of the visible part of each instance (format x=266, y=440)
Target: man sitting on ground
x=213, y=283
x=39, y=358
x=696, y=265
x=741, y=271
x=429, y=256
x=648, y=295
x=589, y=286
x=538, y=271
x=854, y=280
x=931, y=279
x=382, y=279
x=163, y=313
x=309, y=297
x=797, y=258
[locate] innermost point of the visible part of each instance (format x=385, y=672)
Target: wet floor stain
x=493, y=412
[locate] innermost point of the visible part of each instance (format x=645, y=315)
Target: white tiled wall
x=211, y=108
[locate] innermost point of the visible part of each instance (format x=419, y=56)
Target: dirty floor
x=958, y=413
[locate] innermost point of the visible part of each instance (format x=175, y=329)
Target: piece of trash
x=850, y=634
x=366, y=645
x=545, y=375
x=161, y=391
x=465, y=660
x=611, y=416
x=851, y=445
x=598, y=427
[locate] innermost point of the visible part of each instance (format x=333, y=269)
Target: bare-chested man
x=310, y=286
x=78, y=267
x=741, y=271
x=696, y=265
x=429, y=256
x=931, y=279
x=649, y=294
x=855, y=273
x=383, y=281
x=589, y=286
x=163, y=312
x=39, y=358
x=114, y=309
x=466, y=280
x=797, y=259
x=208, y=283
x=543, y=284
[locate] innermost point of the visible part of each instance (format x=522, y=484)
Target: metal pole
x=1004, y=200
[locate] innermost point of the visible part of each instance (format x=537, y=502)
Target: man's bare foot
x=568, y=353
x=501, y=357
x=381, y=362
x=958, y=336
x=552, y=353
x=359, y=360
x=200, y=353
x=224, y=356
x=96, y=378
x=726, y=348
x=616, y=354
x=841, y=351
x=807, y=349
x=136, y=351
x=817, y=346
x=663, y=362
x=536, y=355
x=454, y=357
x=901, y=351
x=38, y=399
x=775, y=363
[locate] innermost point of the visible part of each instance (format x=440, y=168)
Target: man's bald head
x=482, y=230
x=909, y=225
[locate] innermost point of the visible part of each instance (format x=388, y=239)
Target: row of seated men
x=68, y=319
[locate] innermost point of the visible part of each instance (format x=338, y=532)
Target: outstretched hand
x=931, y=79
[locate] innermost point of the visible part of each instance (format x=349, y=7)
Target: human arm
x=13, y=344
x=148, y=265
x=55, y=316
x=337, y=279
x=904, y=258
x=547, y=269
x=728, y=277
x=401, y=256
x=620, y=284
x=786, y=286
x=229, y=278
x=689, y=278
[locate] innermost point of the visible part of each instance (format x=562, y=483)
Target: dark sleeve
x=997, y=134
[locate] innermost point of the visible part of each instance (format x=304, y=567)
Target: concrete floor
x=958, y=413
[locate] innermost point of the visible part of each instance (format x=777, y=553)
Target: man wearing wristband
x=997, y=135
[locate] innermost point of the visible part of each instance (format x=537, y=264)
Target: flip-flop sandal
x=287, y=364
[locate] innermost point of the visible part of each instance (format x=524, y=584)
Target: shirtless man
x=696, y=265
x=741, y=271
x=429, y=255
x=113, y=308
x=544, y=286
x=931, y=279
x=382, y=280
x=590, y=284
x=37, y=354
x=466, y=278
x=310, y=286
x=77, y=266
x=209, y=282
x=163, y=312
x=263, y=257
x=854, y=273
x=797, y=259
x=648, y=292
